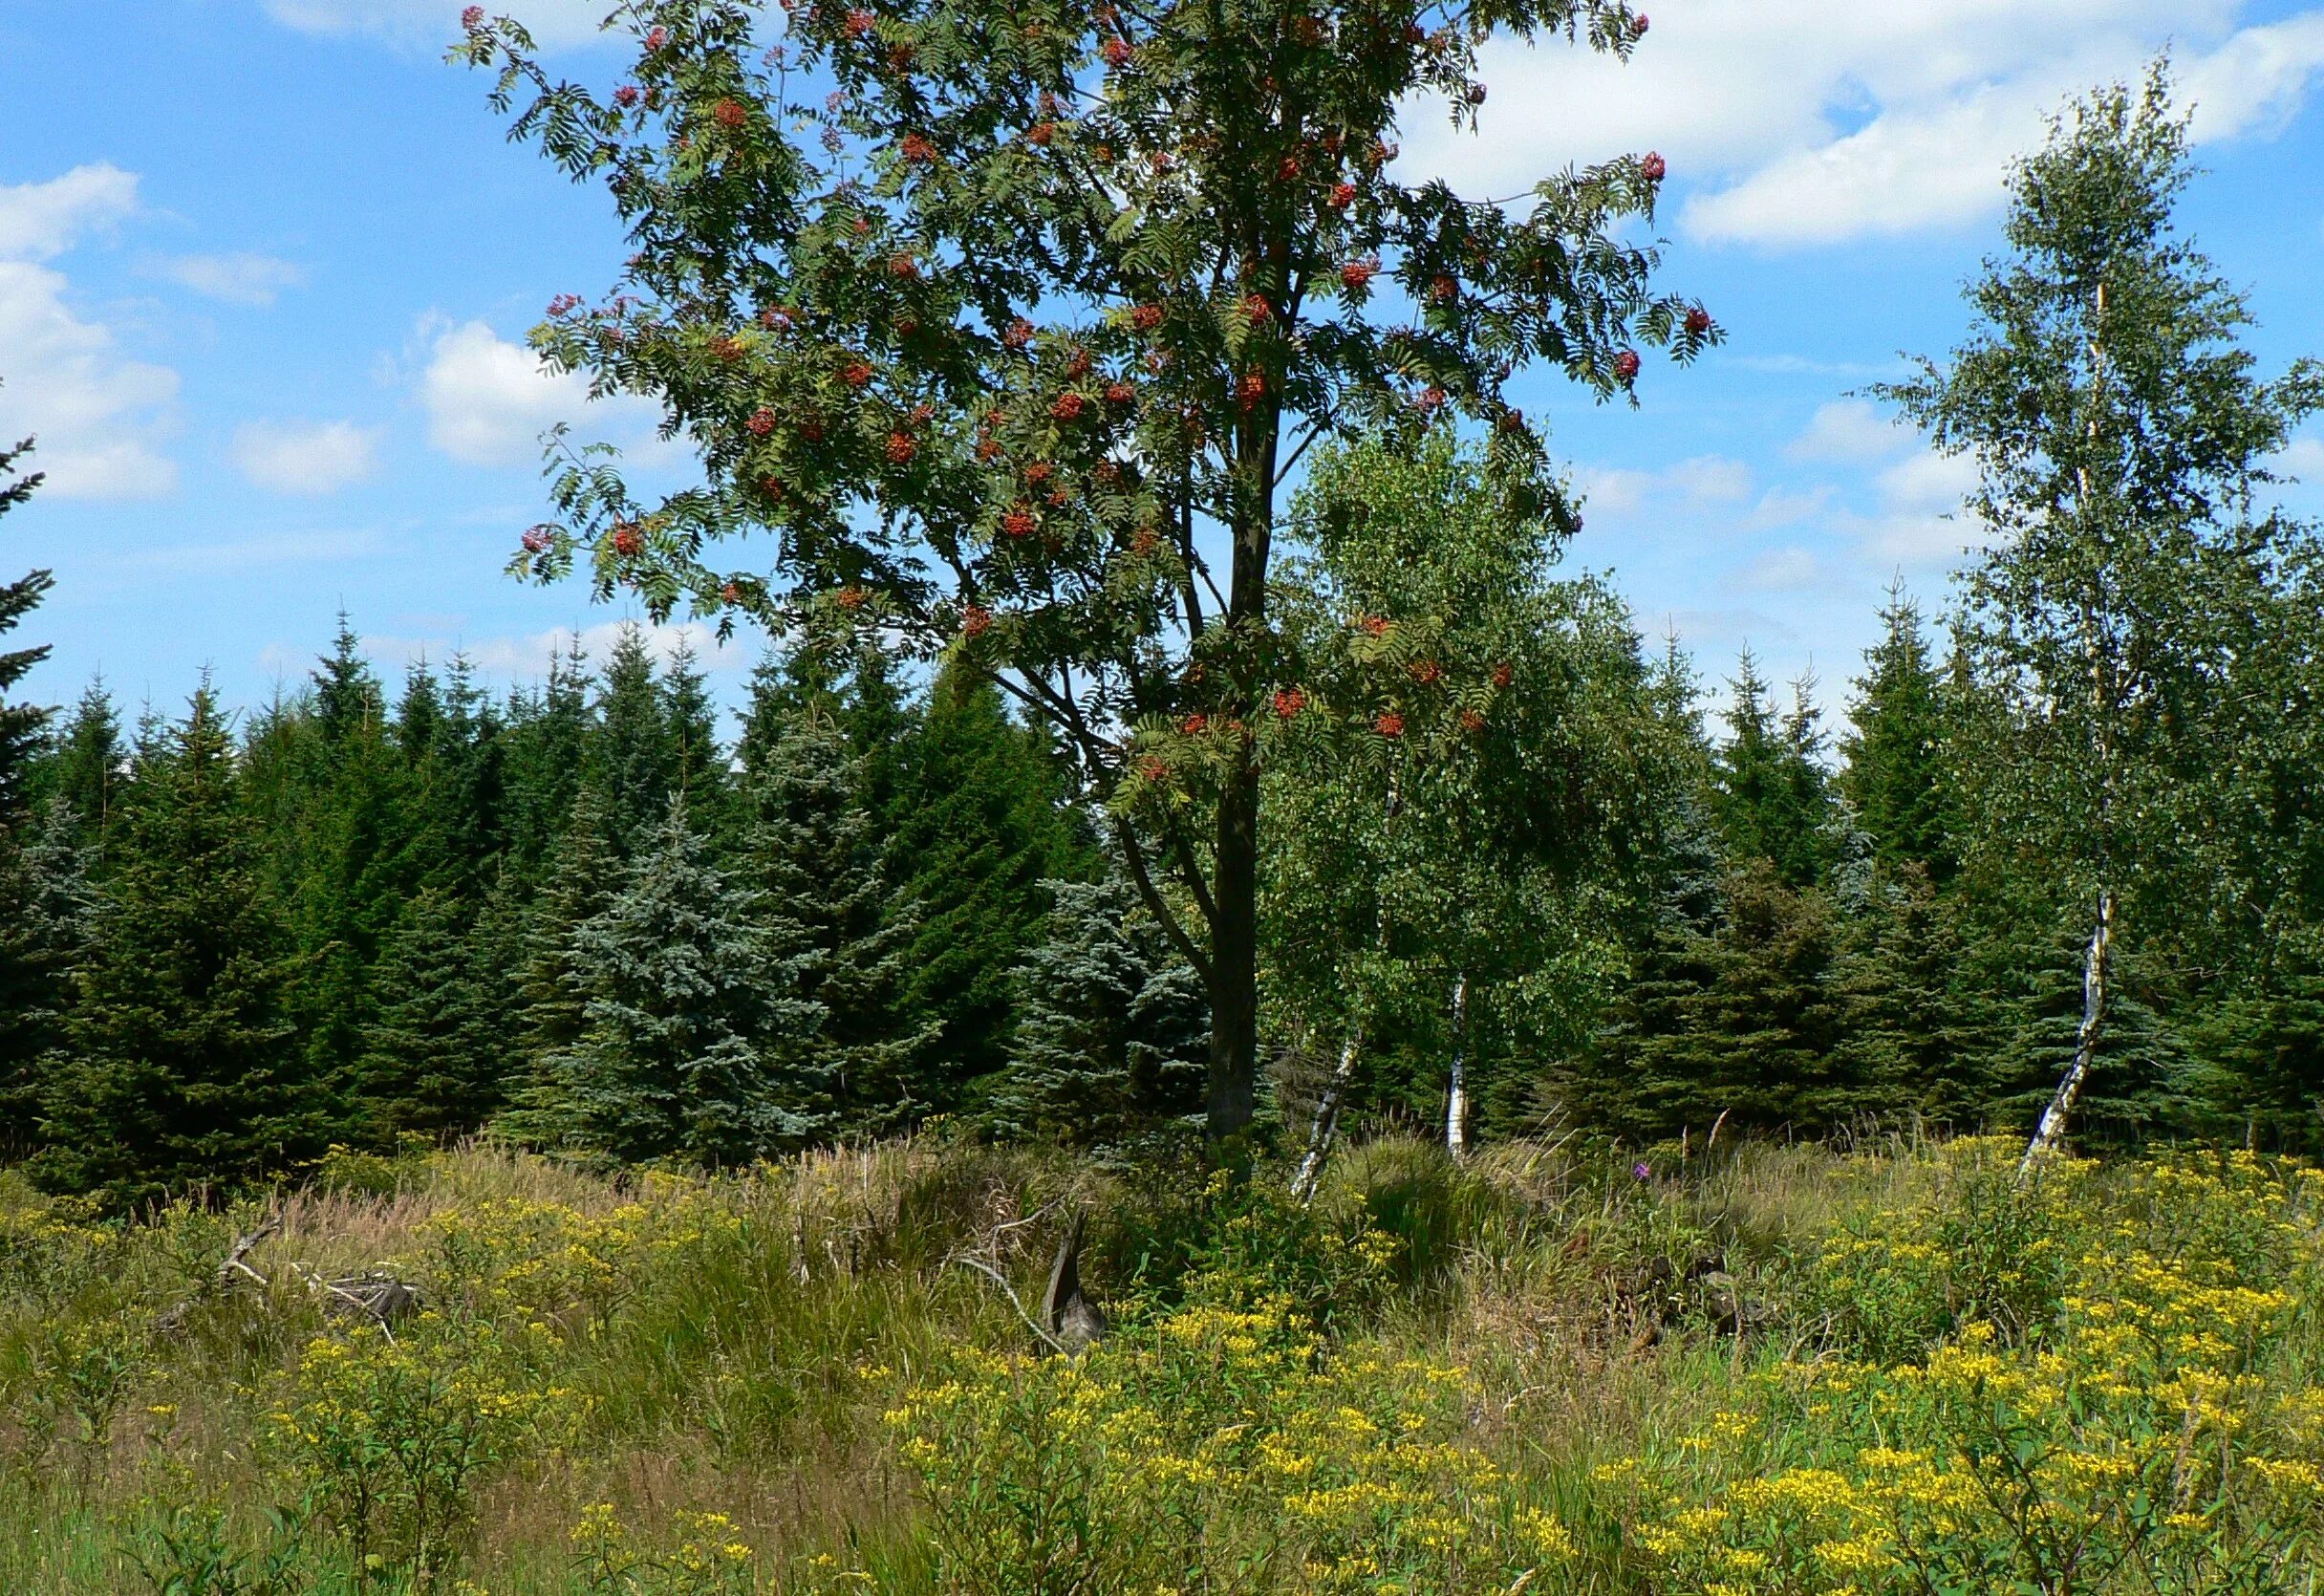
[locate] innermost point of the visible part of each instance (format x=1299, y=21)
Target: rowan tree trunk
x=1456, y=1099
x=2097, y=961
x=1233, y=909
x=1234, y=959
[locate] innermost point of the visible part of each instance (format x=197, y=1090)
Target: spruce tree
x=29, y=954
x=333, y=792
x=2029, y=1004
x=432, y=1063
x=1895, y=774
x=582, y=880
x=815, y=851
x=631, y=758
x=182, y=1066
x=1758, y=1032
x=89, y=764
x=695, y=1040
x=697, y=761
x=2257, y=1048
x=1619, y=1081
x=21, y=724
x=463, y=786
x=979, y=824
x=548, y=734
x=1111, y=1034
x=1909, y=1043
x=1769, y=793
x=45, y=911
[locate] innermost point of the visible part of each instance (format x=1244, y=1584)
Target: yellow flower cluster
x=2148, y=1409
x=1222, y=1442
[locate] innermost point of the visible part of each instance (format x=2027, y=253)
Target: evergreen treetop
x=20, y=723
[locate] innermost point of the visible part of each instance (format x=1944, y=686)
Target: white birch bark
x=1326, y=1119
x=1456, y=1099
x=2094, y=964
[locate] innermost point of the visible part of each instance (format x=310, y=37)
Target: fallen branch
x=237, y=1256
x=1010, y=1292
x=381, y=1298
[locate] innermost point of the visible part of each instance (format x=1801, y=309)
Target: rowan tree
x=1011, y=321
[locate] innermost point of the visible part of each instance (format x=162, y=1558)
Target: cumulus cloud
x=1799, y=122
x=1851, y=432
x=98, y=414
x=434, y=24
x=307, y=459
x=489, y=400
x=39, y=221
x=2302, y=459
x=238, y=279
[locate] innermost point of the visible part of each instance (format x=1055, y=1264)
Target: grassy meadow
x=1769, y=1369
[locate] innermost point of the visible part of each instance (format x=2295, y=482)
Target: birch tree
x=1438, y=886
x=2120, y=436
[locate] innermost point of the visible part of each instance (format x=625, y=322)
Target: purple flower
x=1643, y=1171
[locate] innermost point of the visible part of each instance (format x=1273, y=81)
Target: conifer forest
x=1217, y=1016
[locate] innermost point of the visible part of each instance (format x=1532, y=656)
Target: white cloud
x=1792, y=570
x=1619, y=493
x=1710, y=479
x=42, y=220
x=1850, y=432
x=305, y=457
x=2256, y=81
x=2302, y=458
x=1921, y=522
x=527, y=658
x=1793, y=123
x=98, y=415
x=1928, y=481
x=435, y=24
x=238, y=279
x=489, y=401
x=1781, y=506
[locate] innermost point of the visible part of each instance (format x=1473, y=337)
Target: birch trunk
x=1456, y=1100
x=2095, y=961
x=1326, y=1119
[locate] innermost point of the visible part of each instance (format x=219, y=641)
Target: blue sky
x=267, y=266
